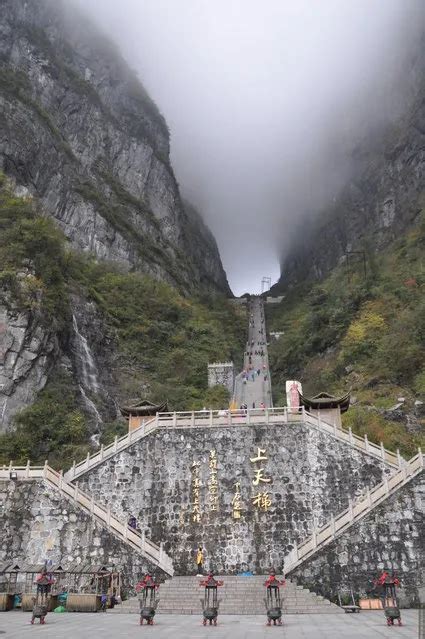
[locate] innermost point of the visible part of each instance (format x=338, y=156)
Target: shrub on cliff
x=367, y=333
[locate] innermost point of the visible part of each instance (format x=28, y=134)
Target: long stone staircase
x=238, y=596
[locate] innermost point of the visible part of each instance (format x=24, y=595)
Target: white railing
x=119, y=444
x=216, y=419
x=276, y=417
x=355, y=511
x=136, y=540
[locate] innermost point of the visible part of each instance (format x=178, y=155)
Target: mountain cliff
x=111, y=287
x=353, y=314
x=383, y=198
x=79, y=131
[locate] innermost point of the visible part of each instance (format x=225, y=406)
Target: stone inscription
x=213, y=482
x=196, y=485
x=236, y=501
x=261, y=498
x=311, y=476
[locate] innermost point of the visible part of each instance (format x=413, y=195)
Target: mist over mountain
x=265, y=103
x=80, y=132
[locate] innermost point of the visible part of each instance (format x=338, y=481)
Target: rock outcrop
x=27, y=350
x=78, y=129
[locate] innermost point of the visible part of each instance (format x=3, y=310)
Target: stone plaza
x=366, y=625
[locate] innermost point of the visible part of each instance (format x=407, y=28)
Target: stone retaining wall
x=312, y=476
x=391, y=536
x=37, y=523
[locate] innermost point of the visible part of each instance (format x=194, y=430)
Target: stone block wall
x=391, y=536
x=222, y=374
x=37, y=523
x=195, y=486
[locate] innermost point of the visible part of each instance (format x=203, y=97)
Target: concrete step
x=246, y=611
x=238, y=595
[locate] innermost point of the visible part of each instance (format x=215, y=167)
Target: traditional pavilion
x=142, y=412
x=328, y=407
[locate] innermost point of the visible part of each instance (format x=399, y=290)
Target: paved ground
x=366, y=625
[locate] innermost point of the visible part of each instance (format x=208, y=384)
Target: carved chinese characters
x=212, y=481
x=236, y=501
x=196, y=485
x=261, y=499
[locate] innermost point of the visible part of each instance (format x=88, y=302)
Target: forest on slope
x=362, y=330
x=151, y=340
x=354, y=281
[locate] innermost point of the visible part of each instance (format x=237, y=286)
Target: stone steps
x=238, y=595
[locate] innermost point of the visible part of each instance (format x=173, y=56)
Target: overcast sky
x=264, y=99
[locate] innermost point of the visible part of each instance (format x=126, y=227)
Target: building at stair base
x=391, y=535
x=245, y=493
x=37, y=524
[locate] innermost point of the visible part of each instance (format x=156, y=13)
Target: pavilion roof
x=9, y=566
x=143, y=407
x=325, y=400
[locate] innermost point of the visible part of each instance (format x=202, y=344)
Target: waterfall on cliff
x=89, y=376
x=87, y=366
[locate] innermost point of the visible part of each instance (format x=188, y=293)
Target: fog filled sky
x=264, y=100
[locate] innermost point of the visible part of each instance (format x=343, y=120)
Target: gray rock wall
x=222, y=374
x=392, y=536
x=37, y=524
x=27, y=349
x=79, y=130
x=312, y=476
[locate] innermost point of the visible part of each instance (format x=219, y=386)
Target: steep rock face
x=383, y=198
x=79, y=130
x=91, y=351
x=27, y=350
x=204, y=248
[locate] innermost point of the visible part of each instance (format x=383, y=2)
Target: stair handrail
x=238, y=417
x=362, y=443
x=126, y=533
x=356, y=510
x=119, y=444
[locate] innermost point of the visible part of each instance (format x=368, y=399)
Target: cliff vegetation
x=364, y=331
x=155, y=342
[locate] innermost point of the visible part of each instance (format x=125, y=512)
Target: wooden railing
x=217, y=419
x=355, y=511
x=132, y=537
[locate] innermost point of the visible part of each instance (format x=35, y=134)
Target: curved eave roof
x=323, y=401
x=143, y=408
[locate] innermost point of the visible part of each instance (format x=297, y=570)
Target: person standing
x=199, y=561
